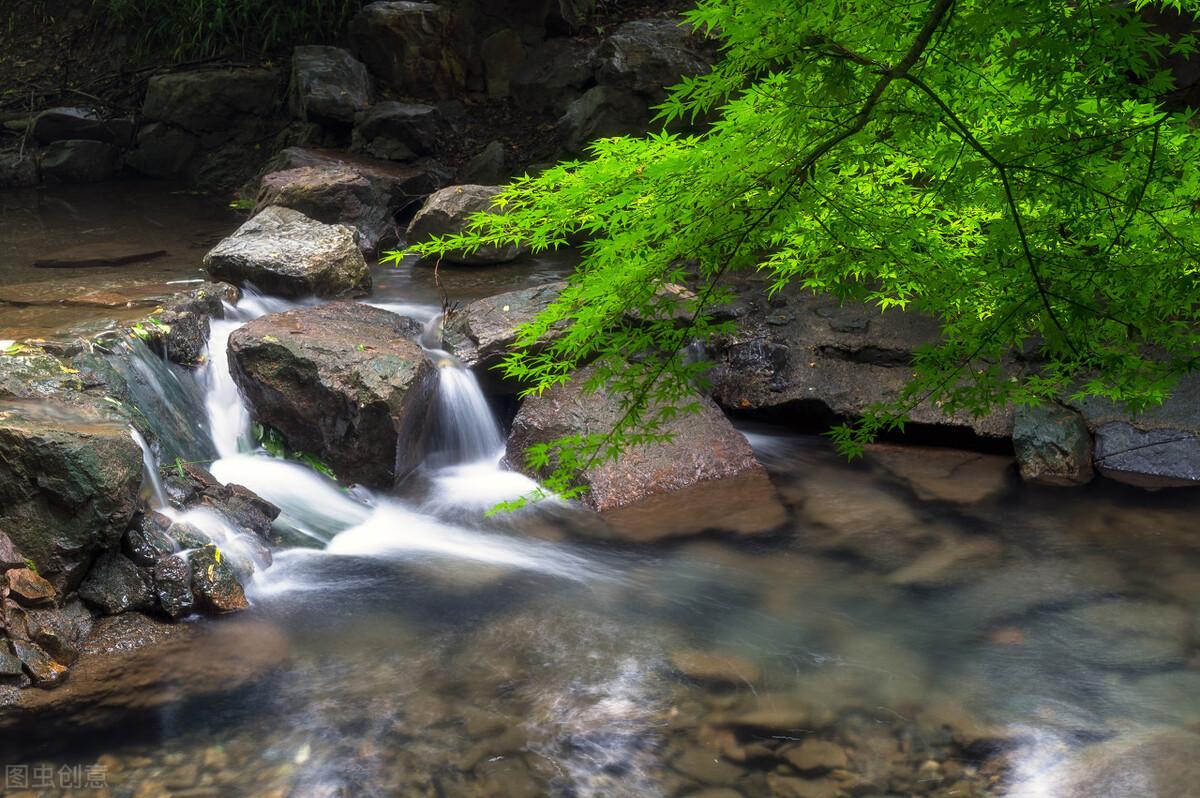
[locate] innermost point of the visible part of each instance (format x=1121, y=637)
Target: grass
x=197, y=29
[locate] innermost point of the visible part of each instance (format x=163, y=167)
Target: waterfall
x=466, y=428
x=150, y=477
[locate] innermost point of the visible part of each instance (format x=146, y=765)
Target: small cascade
x=150, y=477
x=466, y=430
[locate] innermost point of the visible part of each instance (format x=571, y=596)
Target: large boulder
x=648, y=55
x=211, y=100
x=417, y=49
x=398, y=131
x=1053, y=445
x=706, y=478
x=334, y=195
x=69, y=479
x=484, y=331
x=553, y=75
x=284, y=252
x=342, y=381
x=162, y=150
x=808, y=359
x=328, y=84
x=602, y=112
x=79, y=161
x=449, y=211
x=1159, y=448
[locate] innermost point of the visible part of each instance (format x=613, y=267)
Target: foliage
x=149, y=328
x=272, y=441
x=1014, y=169
x=205, y=28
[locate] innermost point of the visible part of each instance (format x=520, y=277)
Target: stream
x=936, y=626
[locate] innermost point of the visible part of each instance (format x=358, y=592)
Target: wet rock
x=790, y=787
x=162, y=150
x=825, y=361
x=1154, y=763
x=554, y=75
x=707, y=767
x=60, y=631
x=11, y=668
x=490, y=167
x=69, y=479
x=396, y=131
x=40, y=666
x=133, y=666
x=103, y=253
x=417, y=49
x=636, y=492
x=342, y=381
x=115, y=585
x=246, y=509
x=484, y=331
x=1119, y=633
x=601, y=112
x=214, y=584
x=448, y=211
x=282, y=251
x=1024, y=586
x=948, y=475
x=328, y=83
x=1150, y=458
x=64, y=124
x=333, y=195
x=1053, y=445
x=16, y=620
x=211, y=100
x=954, y=561
x=78, y=161
x=28, y=588
x=173, y=586
x=716, y=668
x=648, y=55
x=816, y=756
x=17, y=170
x=10, y=557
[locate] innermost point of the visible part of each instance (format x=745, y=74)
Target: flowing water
x=923, y=624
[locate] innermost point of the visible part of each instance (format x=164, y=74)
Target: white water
x=150, y=476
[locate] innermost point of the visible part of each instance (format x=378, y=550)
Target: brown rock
x=707, y=767
x=816, y=755
x=787, y=787
x=718, y=668
x=104, y=253
x=30, y=589
x=41, y=667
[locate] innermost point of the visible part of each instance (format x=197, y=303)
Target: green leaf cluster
x=1020, y=171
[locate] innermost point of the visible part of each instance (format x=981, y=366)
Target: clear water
x=940, y=627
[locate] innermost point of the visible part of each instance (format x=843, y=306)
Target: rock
x=417, y=49
x=484, y=331
x=554, y=75
x=78, y=161
x=648, y=55
x=448, y=211
x=173, y=586
x=807, y=358
x=10, y=665
x=953, y=562
x=64, y=124
x=489, y=167
x=635, y=493
x=282, y=251
x=707, y=767
x=1153, y=458
x=772, y=714
x=948, y=475
x=115, y=585
x=816, y=756
x=1021, y=587
x=1053, y=445
x=602, y=112
x=40, y=666
x=502, y=54
x=132, y=667
x=28, y=588
x=342, y=381
x=333, y=195
x=214, y=584
x=715, y=668
x=69, y=479
x=60, y=632
x=10, y=557
x=211, y=100
x=17, y=170
x=396, y=131
x=162, y=150
x=1154, y=763
x=1119, y=633
x=328, y=83
x=103, y=253
x=789, y=787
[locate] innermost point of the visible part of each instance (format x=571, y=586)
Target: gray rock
x=1021, y=587
x=333, y=195
x=554, y=75
x=1053, y=445
x=115, y=585
x=1119, y=633
x=417, y=49
x=632, y=492
x=449, y=211
x=396, y=131
x=147, y=540
x=79, y=161
x=282, y=251
x=488, y=168
x=10, y=666
x=17, y=170
x=483, y=332
x=40, y=666
x=502, y=54
x=1152, y=458
x=173, y=586
x=62, y=124
x=648, y=55
x=342, y=381
x=601, y=112
x=162, y=150
x=10, y=556
x=211, y=100
x=328, y=83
